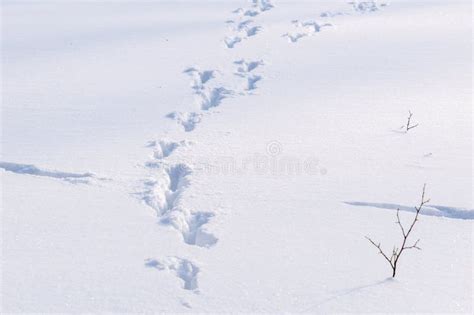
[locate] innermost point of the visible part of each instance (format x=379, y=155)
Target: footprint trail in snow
x=166, y=187
x=243, y=26
x=311, y=27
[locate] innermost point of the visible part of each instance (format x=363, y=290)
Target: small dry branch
x=409, y=125
x=394, y=257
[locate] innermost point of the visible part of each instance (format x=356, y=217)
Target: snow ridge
x=30, y=169
x=431, y=210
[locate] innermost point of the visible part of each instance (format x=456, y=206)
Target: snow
x=231, y=156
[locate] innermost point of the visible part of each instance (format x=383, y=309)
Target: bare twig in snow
x=397, y=251
x=409, y=126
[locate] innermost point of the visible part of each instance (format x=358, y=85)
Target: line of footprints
x=168, y=183
x=309, y=28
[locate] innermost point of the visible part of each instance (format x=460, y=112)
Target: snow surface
x=231, y=156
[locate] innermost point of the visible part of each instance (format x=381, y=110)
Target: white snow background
x=231, y=156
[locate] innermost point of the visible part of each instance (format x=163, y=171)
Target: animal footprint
x=182, y=268
x=238, y=11
x=304, y=29
x=163, y=193
x=164, y=148
x=247, y=66
x=251, y=13
x=244, y=31
x=192, y=226
x=252, y=81
x=245, y=69
x=252, y=31
x=186, y=119
x=200, y=77
x=212, y=98
x=366, y=6
x=242, y=25
x=263, y=5
x=232, y=41
x=331, y=14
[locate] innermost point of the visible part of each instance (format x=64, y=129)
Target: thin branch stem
x=380, y=250
x=409, y=126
